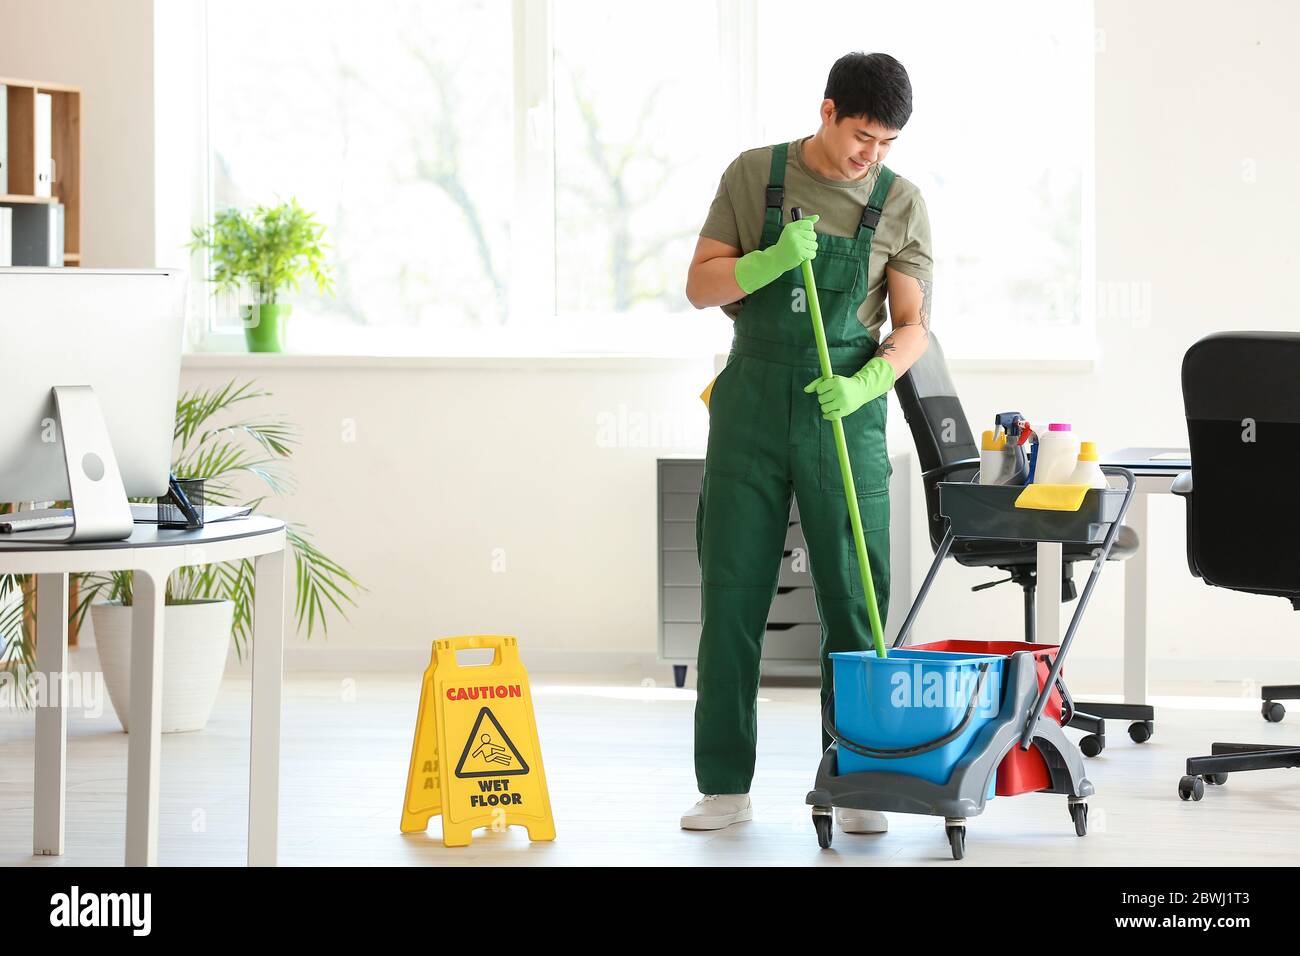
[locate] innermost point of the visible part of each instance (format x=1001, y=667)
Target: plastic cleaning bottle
x=1015, y=432
x=1058, y=454
x=995, y=464
x=1088, y=471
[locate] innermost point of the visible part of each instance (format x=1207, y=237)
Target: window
x=1000, y=143
x=529, y=176
x=392, y=122
x=637, y=155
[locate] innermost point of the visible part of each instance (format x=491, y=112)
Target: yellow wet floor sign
x=476, y=759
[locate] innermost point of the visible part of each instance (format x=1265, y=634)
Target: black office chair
x=946, y=451
x=1241, y=395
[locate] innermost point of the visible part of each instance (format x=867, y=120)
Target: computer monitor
x=88, y=390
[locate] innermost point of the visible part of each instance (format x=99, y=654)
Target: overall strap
x=875, y=205
x=775, y=200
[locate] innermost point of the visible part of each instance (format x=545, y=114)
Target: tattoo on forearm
x=927, y=291
x=889, y=346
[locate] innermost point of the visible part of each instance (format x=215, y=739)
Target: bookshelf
x=65, y=149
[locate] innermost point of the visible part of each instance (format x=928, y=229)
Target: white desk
x=153, y=554
x=1048, y=610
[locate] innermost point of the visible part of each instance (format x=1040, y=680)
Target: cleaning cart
x=992, y=710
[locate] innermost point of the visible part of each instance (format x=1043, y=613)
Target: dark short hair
x=873, y=85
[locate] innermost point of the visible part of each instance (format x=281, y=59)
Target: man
x=868, y=236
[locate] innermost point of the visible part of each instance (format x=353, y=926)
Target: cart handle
x=896, y=753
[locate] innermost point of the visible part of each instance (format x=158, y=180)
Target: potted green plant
x=269, y=249
x=209, y=604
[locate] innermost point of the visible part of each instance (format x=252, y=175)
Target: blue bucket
x=912, y=698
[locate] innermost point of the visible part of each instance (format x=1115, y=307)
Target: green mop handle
x=842, y=450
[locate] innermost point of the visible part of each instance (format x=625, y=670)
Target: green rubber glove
x=796, y=243
x=842, y=395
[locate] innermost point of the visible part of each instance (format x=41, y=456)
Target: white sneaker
x=715, y=811
x=861, y=821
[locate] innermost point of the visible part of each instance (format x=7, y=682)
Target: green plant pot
x=264, y=326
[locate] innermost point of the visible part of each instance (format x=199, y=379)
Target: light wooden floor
x=618, y=759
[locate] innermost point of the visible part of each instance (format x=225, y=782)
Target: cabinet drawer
x=682, y=499
x=680, y=535
x=796, y=606
x=679, y=506
x=801, y=642
x=681, y=476
x=681, y=604
x=681, y=640
x=677, y=536
x=792, y=578
x=683, y=568
x=680, y=568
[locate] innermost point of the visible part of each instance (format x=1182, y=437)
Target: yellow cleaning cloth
x=1052, y=497
x=708, y=392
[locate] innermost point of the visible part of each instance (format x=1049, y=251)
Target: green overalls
x=767, y=438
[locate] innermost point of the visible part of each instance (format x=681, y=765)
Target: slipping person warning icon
x=489, y=751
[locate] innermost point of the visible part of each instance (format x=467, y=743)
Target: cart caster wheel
x=1141, y=731
x=1092, y=744
x=1216, y=779
x=822, y=824
x=957, y=840
x=1273, y=711
x=1191, y=788
x=679, y=675
x=1079, y=814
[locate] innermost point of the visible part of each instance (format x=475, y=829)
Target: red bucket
x=1021, y=771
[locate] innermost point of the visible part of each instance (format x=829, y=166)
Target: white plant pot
x=196, y=640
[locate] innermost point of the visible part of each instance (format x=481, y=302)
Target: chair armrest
x=1182, y=487
x=943, y=471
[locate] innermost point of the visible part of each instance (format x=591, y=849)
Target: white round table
x=153, y=554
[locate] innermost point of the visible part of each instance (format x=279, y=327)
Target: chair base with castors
x=1226, y=758
x=1091, y=719
x=1093, y=742
x=1272, y=693
x=1143, y=717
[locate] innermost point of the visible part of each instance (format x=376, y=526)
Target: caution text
x=499, y=692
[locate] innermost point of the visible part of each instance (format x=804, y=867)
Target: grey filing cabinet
x=793, y=630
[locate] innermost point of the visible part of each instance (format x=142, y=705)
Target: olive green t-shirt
x=901, y=240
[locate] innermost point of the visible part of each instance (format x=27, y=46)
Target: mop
x=842, y=450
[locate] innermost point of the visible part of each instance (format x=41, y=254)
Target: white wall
x=107, y=49
x=520, y=496
x=1194, y=192
x=1196, y=140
